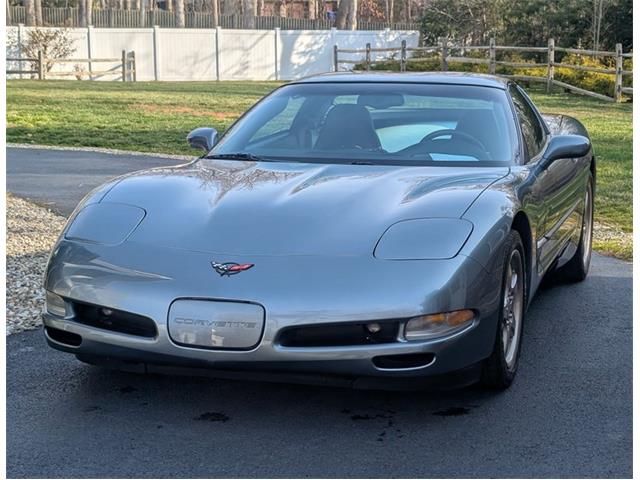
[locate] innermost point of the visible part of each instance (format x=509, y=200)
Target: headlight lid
x=424, y=239
x=105, y=223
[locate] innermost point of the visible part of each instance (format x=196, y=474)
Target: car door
x=555, y=189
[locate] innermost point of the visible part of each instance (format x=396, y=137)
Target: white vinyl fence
x=176, y=54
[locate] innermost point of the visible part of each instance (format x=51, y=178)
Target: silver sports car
x=370, y=230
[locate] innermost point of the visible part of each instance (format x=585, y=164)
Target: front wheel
x=577, y=268
x=500, y=368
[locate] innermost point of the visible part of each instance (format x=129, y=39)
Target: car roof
x=450, y=78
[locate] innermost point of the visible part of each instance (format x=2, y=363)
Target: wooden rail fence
x=445, y=47
x=37, y=67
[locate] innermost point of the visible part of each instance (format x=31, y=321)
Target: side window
x=532, y=131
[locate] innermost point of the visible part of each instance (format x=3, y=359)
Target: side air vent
x=333, y=335
x=64, y=337
x=113, y=320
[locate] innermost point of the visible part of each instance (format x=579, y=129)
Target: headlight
x=55, y=305
x=424, y=239
x=105, y=223
x=440, y=324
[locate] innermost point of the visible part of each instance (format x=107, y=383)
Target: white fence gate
x=177, y=54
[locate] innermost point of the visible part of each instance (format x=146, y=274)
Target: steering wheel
x=465, y=137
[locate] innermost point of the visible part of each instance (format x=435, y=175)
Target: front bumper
x=293, y=291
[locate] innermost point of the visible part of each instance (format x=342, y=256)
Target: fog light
x=373, y=327
x=55, y=305
x=437, y=325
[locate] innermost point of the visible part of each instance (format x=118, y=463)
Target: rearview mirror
x=566, y=146
x=203, y=138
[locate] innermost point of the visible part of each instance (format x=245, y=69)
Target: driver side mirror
x=566, y=146
x=204, y=138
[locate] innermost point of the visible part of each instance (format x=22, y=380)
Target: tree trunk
x=89, y=10
x=249, y=14
x=30, y=12
x=179, y=13
x=281, y=8
x=82, y=13
x=143, y=13
x=168, y=5
x=597, y=47
x=37, y=6
x=391, y=7
x=260, y=8
x=231, y=7
x=313, y=9
x=341, y=16
x=8, y=13
x=215, y=12
x=408, y=11
x=352, y=18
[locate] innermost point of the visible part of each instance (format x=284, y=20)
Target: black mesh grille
x=114, y=320
x=331, y=335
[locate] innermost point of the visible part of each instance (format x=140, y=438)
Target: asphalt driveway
x=569, y=414
x=59, y=179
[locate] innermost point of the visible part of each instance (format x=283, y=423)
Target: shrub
x=54, y=43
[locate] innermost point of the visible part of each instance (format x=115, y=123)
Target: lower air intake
x=399, y=362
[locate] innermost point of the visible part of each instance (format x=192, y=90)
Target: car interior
x=385, y=124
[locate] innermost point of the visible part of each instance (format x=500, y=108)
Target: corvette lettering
x=214, y=323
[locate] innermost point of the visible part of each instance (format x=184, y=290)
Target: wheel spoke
x=512, y=308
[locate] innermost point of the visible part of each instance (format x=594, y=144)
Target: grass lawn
x=155, y=117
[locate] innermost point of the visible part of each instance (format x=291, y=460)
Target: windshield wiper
x=361, y=162
x=239, y=156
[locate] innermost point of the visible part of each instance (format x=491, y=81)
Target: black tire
x=500, y=368
x=577, y=269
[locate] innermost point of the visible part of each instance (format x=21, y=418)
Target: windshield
x=378, y=123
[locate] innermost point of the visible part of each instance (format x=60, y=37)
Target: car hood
x=274, y=208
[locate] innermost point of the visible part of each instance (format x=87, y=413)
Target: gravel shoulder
x=31, y=233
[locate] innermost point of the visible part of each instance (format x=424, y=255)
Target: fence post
x=218, y=35
x=492, y=56
x=335, y=58
x=551, y=59
x=124, y=66
x=276, y=33
x=445, y=54
x=40, y=65
x=20, y=64
x=367, y=57
x=89, y=34
x=618, y=83
x=156, y=33
x=133, y=65
x=403, y=56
